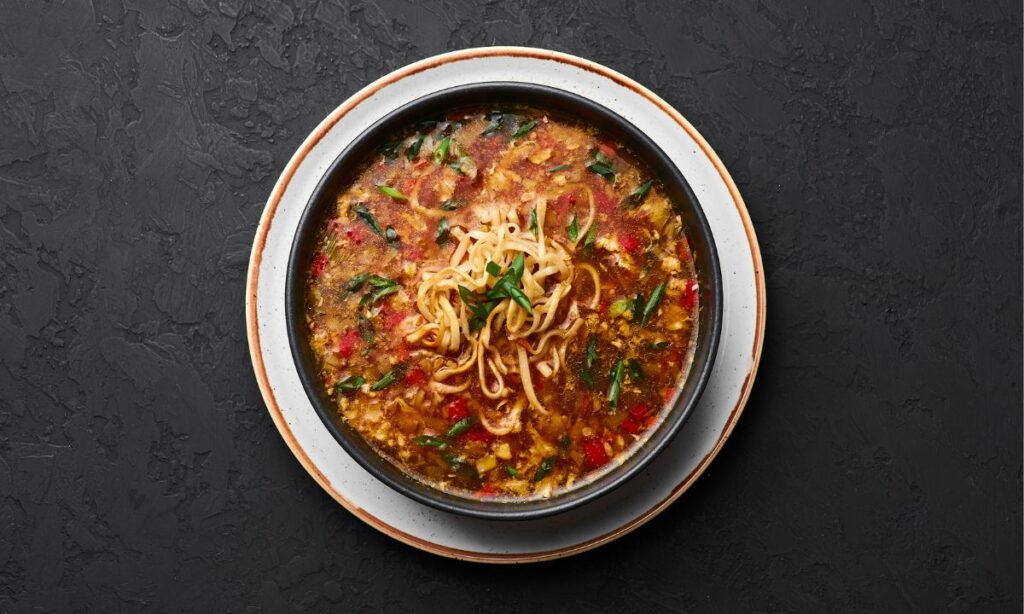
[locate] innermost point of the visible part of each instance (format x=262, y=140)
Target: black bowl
x=349, y=163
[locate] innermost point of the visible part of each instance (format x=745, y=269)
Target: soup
x=502, y=303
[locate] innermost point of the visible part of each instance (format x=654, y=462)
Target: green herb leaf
x=493, y=269
x=414, y=149
x=443, y=231
x=615, y=385
x=431, y=441
x=545, y=467
x=560, y=167
x=652, y=304
x=574, y=229
x=391, y=235
x=636, y=374
x=533, y=222
x=524, y=129
x=388, y=378
x=357, y=282
x=349, y=384
x=619, y=307
x=509, y=469
x=460, y=427
x=599, y=157
x=393, y=193
x=452, y=204
x=441, y=151
x=659, y=345
x=367, y=217
x=635, y=198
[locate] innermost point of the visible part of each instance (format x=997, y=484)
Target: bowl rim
x=499, y=92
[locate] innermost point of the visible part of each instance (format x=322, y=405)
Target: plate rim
x=266, y=220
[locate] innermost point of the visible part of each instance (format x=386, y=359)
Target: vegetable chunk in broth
x=502, y=303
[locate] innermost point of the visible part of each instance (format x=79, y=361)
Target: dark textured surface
x=878, y=466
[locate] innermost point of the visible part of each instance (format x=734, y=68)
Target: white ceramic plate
x=598, y=522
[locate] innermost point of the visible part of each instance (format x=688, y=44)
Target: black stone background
x=877, y=467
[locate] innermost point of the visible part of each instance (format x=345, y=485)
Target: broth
x=502, y=303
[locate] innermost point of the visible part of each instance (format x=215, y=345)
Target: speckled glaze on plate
x=595, y=523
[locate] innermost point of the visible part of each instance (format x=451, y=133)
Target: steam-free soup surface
x=502, y=303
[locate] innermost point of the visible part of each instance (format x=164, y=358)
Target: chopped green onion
x=357, y=282
x=414, y=149
x=635, y=198
x=443, y=231
x=390, y=149
x=574, y=229
x=591, y=236
x=592, y=357
x=454, y=460
x=391, y=235
x=659, y=345
x=387, y=379
x=330, y=244
x=379, y=294
x=431, y=441
x=545, y=467
x=619, y=307
x=509, y=469
x=525, y=129
x=533, y=222
x=652, y=304
x=460, y=427
x=452, y=204
x=602, y=166
x=615, y=387
x=560, y=167
x=493, y=269
x=592, y=362
x=603, y=170
x=367, y=217
x=480, y=307
x=393, y=193
x=365, y=327
x=564, y=442
x=441, y=151
x=519, y=297
x=638, y=306
x=381, y=282
x=349, y=384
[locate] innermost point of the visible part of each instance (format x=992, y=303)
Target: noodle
x=447, y=325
